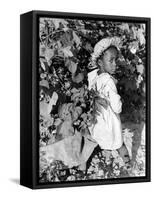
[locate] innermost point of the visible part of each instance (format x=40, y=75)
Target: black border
x=26, y=100
x=35, y=104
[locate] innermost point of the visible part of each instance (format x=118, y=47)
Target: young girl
x=107, y=131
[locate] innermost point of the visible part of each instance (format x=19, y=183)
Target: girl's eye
x=112, y=60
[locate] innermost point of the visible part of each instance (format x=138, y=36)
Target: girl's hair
x=103, y=52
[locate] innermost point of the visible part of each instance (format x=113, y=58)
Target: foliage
x=64, y=54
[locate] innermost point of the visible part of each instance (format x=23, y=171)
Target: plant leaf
x=140, y=36
x=124, y=26
x=72, y=67
x=52, y=101
x=46, y=108
x=44, y=83
x=76, y=39
x=67, y=52
x=140, y=68
x=78, y=78
x=57, y=22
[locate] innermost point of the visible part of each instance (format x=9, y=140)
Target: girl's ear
x=99, y=62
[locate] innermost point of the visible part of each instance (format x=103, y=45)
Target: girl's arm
x=113, y=96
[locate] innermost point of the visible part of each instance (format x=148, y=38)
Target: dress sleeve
x=112, y=95
x=91, y=76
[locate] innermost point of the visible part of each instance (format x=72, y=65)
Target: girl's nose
x=114, y=65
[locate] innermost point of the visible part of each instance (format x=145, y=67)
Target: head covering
x=102, y=45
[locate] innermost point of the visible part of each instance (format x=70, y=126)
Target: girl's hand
x=102, y=101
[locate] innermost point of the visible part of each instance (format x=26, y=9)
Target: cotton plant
x=66, y=47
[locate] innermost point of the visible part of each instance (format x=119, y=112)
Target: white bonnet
x=102, y=45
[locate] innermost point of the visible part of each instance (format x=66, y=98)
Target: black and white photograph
x=92, y=99
x=76, y=100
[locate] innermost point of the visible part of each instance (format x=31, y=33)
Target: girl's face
x=108, y=62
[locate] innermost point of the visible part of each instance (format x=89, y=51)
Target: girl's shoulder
x=92, y=74
x=105, y=79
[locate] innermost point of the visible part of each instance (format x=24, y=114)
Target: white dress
x=107, y=132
